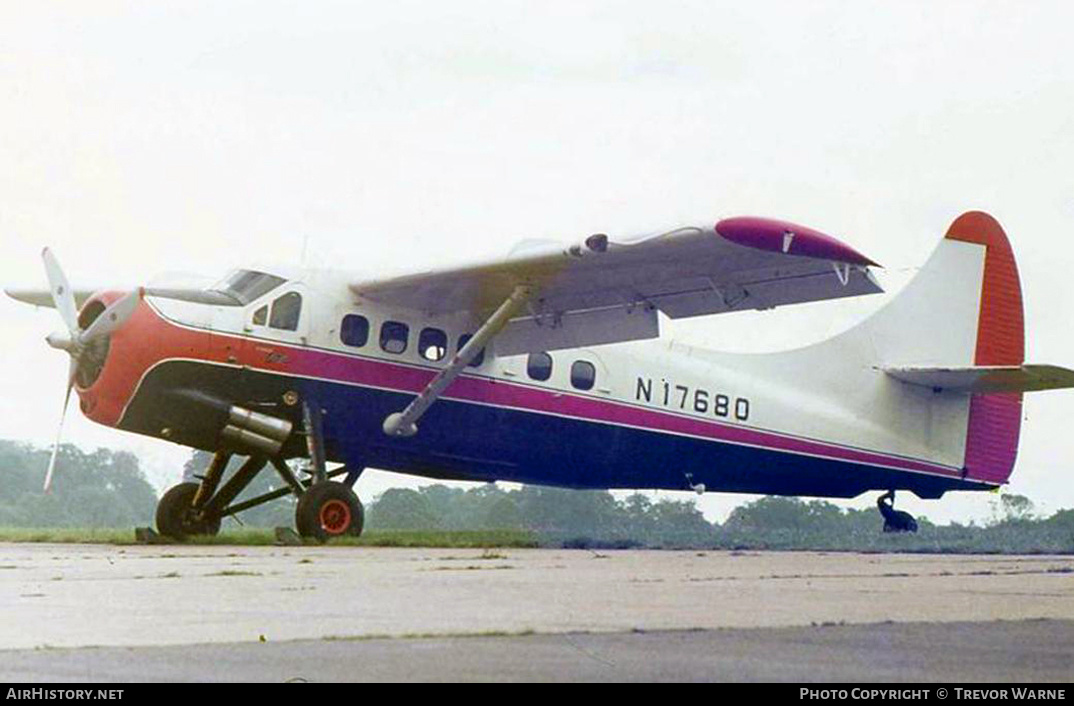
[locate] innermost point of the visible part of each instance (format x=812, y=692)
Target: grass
x=931, y=540
x=463, y=539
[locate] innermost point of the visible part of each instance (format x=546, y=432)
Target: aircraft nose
x=103, y=315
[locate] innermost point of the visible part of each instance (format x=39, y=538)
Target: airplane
x=546, y=366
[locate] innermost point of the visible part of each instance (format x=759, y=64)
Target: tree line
x=107, y=488
x=596, y=519
x=101, y=488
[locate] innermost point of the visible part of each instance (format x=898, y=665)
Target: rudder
x=994, y=419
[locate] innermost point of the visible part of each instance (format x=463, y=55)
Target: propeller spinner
x=80, y=344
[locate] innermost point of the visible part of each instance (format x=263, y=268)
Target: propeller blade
x=113, y=317
x=62, y=296
x=72, y=370
x=59, y=435
x=61, y=340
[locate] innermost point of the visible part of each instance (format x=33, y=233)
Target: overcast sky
x=139, y=138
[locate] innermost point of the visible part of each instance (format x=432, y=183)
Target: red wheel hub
x=335, y=517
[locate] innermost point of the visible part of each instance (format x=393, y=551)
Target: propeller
x=76, y=341
x=59, y=435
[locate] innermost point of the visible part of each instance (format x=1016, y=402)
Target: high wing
x=605, y=290
x=43, y=297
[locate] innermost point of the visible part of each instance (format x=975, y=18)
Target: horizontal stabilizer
x=984, y=379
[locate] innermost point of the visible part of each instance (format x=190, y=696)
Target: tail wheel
x=176, y=517
x=329, y=510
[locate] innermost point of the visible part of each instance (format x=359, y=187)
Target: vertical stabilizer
x=962, y=310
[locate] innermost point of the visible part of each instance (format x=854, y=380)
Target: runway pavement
x=655, y=614
x=963, y=653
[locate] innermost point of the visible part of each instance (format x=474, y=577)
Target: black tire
x=329, y=510
x=175, y=514
x=900, y=521
x=907, y=523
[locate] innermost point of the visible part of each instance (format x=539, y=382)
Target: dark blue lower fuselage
x=475, y=441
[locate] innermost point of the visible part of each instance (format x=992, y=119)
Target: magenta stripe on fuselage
x=404, y=378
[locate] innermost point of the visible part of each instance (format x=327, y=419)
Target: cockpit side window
x=261, y=316
x=285, y=312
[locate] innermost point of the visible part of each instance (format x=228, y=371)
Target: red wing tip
x=790, y=238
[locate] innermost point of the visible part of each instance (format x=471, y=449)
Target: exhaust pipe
x=260, y=432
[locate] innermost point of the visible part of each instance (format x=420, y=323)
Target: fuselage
x=651, y=414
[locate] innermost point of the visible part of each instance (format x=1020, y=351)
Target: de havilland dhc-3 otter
x=546, y=367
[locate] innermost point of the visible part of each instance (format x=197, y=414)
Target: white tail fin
x=963, y=309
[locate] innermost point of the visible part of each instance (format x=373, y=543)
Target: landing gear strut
x=325, y=509
x=197, y=508
x=894, y=520
x=176, y=516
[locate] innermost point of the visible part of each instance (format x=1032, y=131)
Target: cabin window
x=393, y=336
x=479, y=358
x=285, y=312
x=432, y=344
x=539, y=366
x=583, y=375
x=354, y=331
x=261, y=316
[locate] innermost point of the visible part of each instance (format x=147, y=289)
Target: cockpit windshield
x=248, y=285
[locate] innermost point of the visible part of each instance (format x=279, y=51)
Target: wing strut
x=405, y=423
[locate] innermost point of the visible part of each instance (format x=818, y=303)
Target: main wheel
x=176, y=517
x=328, y=510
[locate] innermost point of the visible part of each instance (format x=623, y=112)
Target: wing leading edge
x=43, y=297
x=605, y=290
